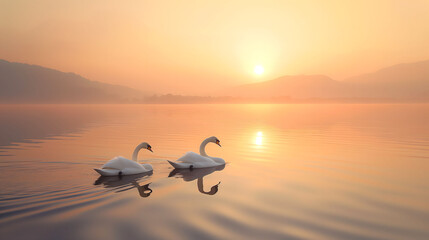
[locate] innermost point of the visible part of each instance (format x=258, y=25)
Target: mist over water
x=294, y=171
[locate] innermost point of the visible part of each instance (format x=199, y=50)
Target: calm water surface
x=293, y=172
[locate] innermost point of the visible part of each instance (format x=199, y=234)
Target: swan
x=202, y=160
x=122, y=166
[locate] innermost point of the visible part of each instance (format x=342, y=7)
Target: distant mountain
x=302, y=86
x=400, y=82
x=24, y=83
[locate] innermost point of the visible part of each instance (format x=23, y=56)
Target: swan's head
x=145, y=145
x=214, y=140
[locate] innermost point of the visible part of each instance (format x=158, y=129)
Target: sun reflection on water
x=259, y=138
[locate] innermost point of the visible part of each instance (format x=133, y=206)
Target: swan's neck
x=203, y=148
x=136, y=152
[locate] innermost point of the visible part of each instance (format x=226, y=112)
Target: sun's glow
x=258, y=69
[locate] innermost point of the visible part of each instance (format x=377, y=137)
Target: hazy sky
x=195, y=47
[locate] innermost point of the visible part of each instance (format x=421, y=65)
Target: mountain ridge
x=27, y=83
x=311, y=86
x=21, y=82
x=401, y=81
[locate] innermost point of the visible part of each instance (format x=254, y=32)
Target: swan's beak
x=149, y=148
x=218, y=143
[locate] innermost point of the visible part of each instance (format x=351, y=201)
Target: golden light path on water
x=259, y=138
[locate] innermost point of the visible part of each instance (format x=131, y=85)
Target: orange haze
x=195, y=47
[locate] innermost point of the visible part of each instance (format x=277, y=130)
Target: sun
x=258, y=69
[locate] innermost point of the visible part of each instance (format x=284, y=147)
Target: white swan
x=202, y=160
x=122, y=166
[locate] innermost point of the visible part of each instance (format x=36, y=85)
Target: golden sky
x=195, y=47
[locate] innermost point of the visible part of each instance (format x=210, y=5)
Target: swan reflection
x=125, y=183
x=189, y=175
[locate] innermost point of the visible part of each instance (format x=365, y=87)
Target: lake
x=294, y=171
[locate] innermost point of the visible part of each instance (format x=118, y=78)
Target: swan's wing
x=217, y=160
x=130, y=171
x=192, y=158
x=107, y=172
x=179, y=164
x=121, y=163
x=148, y=166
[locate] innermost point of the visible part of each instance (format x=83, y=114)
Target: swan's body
x=202, y=160
x=196, y=161
x=123, y=166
